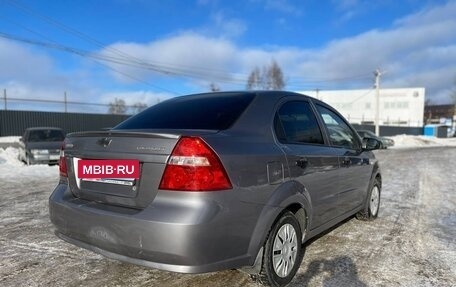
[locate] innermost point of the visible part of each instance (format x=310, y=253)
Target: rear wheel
x=283, y=252
x=370, y=210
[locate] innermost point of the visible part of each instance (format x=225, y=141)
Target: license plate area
x=108, y=169
x=54, y=157
x=119, y=181
x=110, y=177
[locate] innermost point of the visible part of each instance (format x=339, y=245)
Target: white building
x=398, y=107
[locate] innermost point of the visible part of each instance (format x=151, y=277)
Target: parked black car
x=385, y=142
x=216, y=181
x=41, y=145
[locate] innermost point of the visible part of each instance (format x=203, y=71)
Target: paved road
x=413, y=242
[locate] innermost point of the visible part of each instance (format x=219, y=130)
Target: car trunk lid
x=150, y=148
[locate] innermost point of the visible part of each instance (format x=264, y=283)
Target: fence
x=117, y=106
x=392, y=130
x=13, y=123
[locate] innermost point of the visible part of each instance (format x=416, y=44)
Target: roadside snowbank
x=12, y=169
x=407, y=141
x=13, y=139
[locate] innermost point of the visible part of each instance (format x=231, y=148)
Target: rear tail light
x=62, y=162
x=194, y=166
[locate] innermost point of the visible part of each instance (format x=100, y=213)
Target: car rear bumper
x=195, y=235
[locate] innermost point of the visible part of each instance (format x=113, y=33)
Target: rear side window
x=207, y=112
x=295, y=122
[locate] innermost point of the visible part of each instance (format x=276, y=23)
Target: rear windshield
x=206, y=112
x=46, y=136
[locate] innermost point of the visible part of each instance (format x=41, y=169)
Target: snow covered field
x=412, y=243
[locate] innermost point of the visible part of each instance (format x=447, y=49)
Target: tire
x=372, y=206
x=276, y=270
x=27, y=160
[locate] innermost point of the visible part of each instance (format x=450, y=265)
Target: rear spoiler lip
x=164, y=134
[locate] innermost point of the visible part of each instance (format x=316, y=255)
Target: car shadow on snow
x=339, y=271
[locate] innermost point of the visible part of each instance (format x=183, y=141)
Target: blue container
x=430, y=130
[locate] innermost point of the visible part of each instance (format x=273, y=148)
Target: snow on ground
x=13, y=139
x=407, y=141
x=11, y=168
x=412, y=243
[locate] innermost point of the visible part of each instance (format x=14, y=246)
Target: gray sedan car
x=41, y=145
x=216, y=181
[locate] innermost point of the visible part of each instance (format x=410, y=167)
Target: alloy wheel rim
x=374, y=200
x=285, y=249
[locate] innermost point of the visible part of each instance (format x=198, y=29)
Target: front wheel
x=370, y=210
x=283, y=252
x=27, y=160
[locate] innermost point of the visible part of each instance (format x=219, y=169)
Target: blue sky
x=168, y=48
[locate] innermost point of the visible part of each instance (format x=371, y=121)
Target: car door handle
x=302, y=162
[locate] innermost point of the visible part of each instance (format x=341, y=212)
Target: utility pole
x=65, y=99
x=377, y=75
x=4, y=99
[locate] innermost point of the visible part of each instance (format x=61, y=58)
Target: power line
x=121, y=61
x=167, y=69
x=160, y=68
x=65, y=28
x=68, y=49
x=78, y=52
x=341, y=79
x=64, y=102
x=362, y=96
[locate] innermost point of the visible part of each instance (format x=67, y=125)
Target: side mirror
x=21, y=139
x=371, y=144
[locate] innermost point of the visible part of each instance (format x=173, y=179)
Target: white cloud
x=185, y=54
x=228, y=27
x=349, y=9
x=16, y=61
x=33, y=82
x=132, y=97
x=27, y=73
x=429, y=15
x=283, y=6
x=23, y=95
x=418, y=50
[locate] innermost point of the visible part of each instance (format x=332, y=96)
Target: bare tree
x=268, y=78
x=214, y=87
x=275, y=77
x=138, y=107
x=254, y=80
x=117, y=107
x=453, y=93
x=427, y=102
